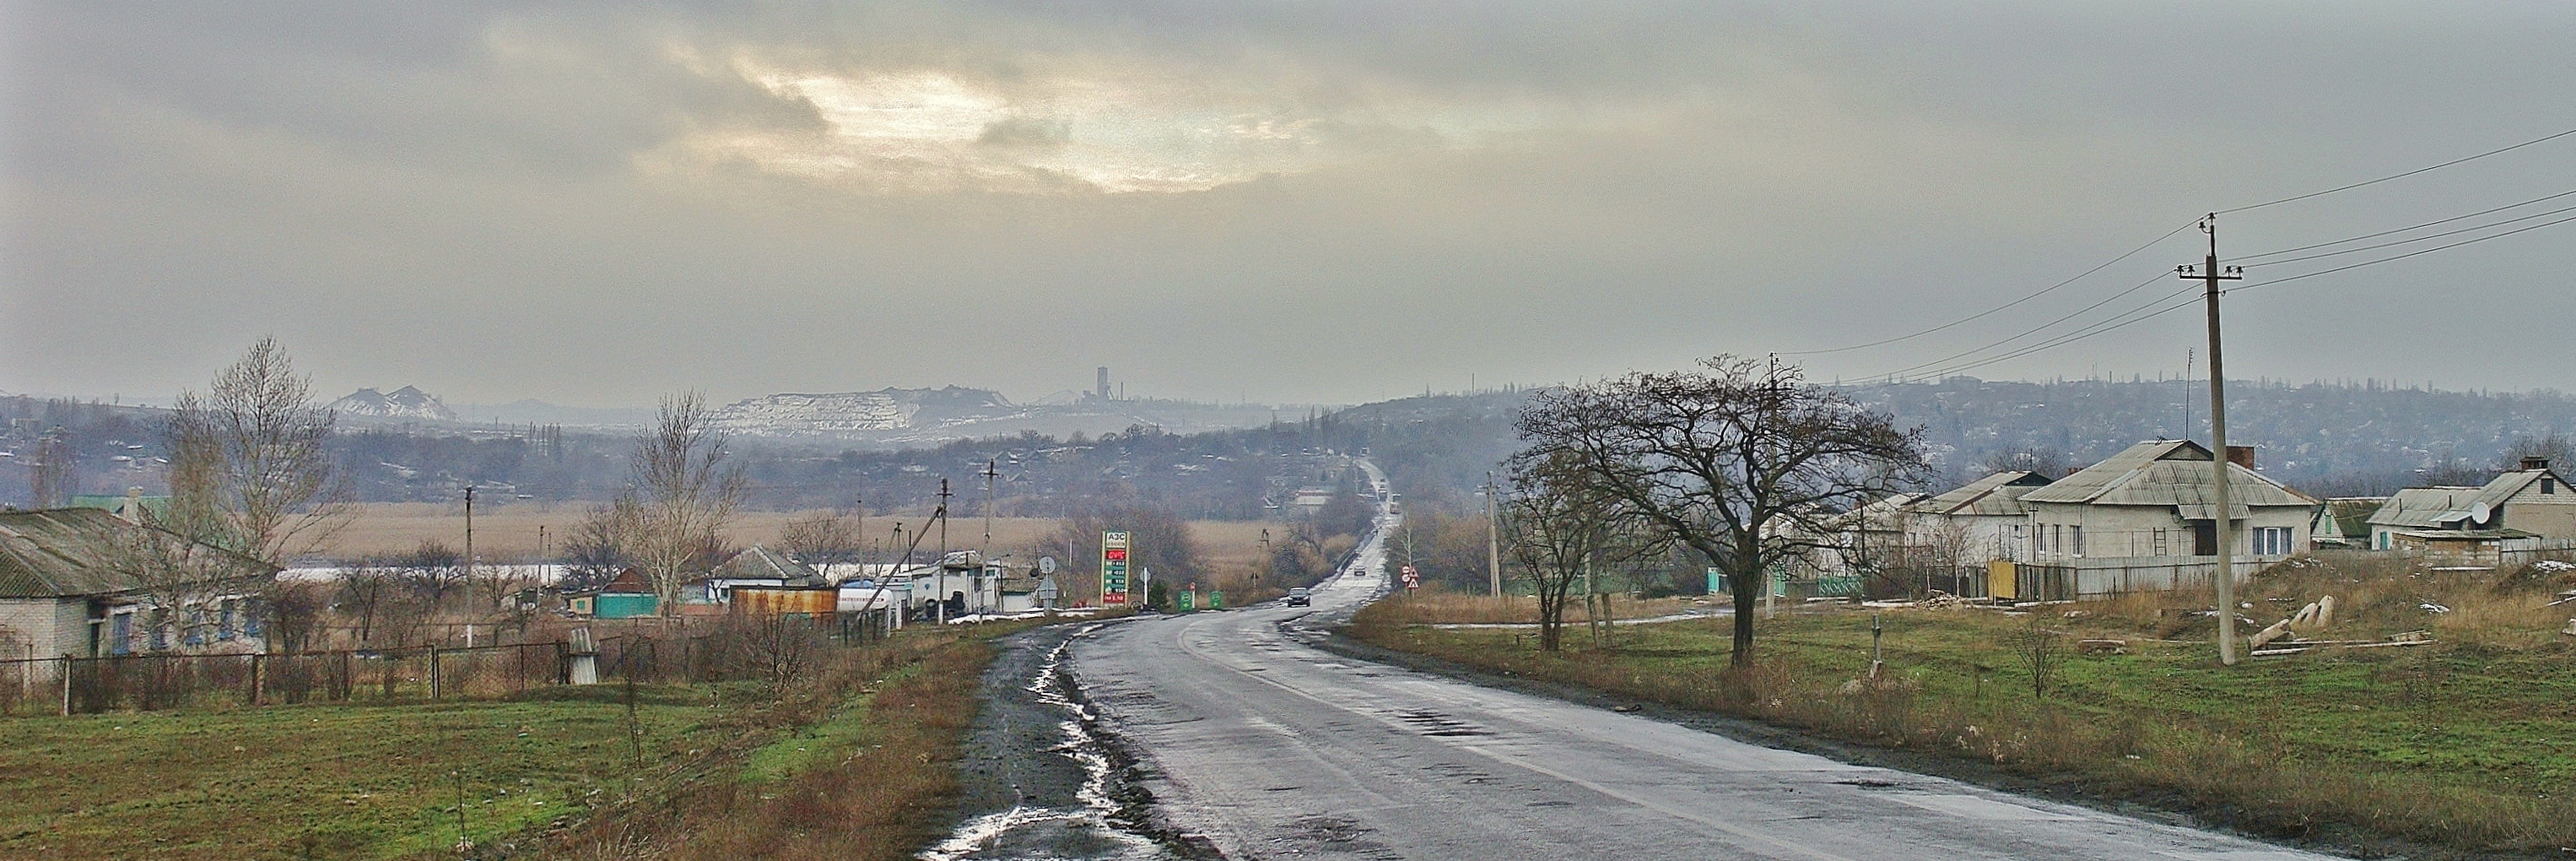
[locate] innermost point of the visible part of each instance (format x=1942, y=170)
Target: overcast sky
x=594, y=203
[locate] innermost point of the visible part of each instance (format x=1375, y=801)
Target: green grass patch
x=323, y=780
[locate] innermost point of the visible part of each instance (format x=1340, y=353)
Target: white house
x=1984, y=519
x=68, y=586
x=2146, y=519
x=2533, y=502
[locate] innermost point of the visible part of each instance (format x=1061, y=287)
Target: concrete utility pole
x=990, y=472
x=2221, y=523
x=469, y=541
x=1493, y=535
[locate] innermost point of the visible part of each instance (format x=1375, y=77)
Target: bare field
x=510, y=531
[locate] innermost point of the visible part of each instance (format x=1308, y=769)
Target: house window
x=2271, y=540
x=225, y=613
x=2077, y=532
x=2161, y=544
x=120, y=634
x=2057, y=538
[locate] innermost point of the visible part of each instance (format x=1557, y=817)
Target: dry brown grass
x=1437, y=605
x=2458, y=744
x=883, y=796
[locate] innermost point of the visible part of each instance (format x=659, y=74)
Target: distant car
x=1299, y=597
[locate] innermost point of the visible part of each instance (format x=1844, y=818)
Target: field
x=2466, y=744
x=509, y=531
x=325, y=781
x=859, y=758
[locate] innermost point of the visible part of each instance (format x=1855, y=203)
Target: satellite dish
x=1046, y=564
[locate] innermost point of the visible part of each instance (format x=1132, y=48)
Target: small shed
x=629, y=595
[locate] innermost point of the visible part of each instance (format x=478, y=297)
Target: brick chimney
x=2534, y=463
x=2241, y=455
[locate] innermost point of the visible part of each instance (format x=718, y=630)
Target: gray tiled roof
x=762, y=563
x=2166, y=472
x=2443, y=507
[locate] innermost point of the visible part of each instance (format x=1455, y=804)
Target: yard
x=325, y=780
x=2466, y=743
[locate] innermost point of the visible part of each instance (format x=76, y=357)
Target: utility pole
x=990, y=472
x=1493, y=536
x=2221, y=520
x=469, y=541
x=1262, y=573
x=943, y=524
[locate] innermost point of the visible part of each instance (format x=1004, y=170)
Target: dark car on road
x=1299, y=597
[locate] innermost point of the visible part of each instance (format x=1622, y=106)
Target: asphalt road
x=1268, y=748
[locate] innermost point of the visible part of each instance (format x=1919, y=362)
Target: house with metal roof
x=73, y=582
x=1985, y=519
x=2146, y=519
x=2526, y=509
x=2344, y=522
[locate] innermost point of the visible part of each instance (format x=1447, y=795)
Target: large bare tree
x=249, y=470
x=821, y=539
x=1731, y=460
x=680, y=497
x=1560, y=525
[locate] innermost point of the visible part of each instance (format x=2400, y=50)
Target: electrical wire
x=2026, y=332
x=2358, y=249
x=2537, y=140
x=2392, y=257
x=1999, y=308
x=2242, y=259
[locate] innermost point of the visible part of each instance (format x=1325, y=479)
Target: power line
x=2026, y=332
x=2241, y=259
x=2115, y=322
x=2405, y=255
x=2542, y=139
x=2362, y=248
x=1990, y=311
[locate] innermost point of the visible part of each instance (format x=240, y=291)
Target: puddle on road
x=1095, y=831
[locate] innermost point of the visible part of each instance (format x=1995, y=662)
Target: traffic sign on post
x=1113, y=568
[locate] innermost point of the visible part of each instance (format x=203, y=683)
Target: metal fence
x=660, y=652
x=169, y=681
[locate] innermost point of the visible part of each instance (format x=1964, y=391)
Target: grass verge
x=2463, y=747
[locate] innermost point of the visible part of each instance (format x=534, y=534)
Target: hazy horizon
x=1303, y=203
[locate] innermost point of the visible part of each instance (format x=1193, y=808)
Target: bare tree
x=54, y=476
x=431, y=572
x=248, y=466
x=682, y=496
x=597, y=548
x=1560, y=526
x=1725, y=460
x=181, y=577
x=821, y=539
x=2553, y=447
x=365, y=589
x=2048, y=462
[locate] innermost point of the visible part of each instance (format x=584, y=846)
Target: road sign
x=1216, y=600
x=1187, y=599
x=1412, y=577
x=1113, y=568
x=1046, y=564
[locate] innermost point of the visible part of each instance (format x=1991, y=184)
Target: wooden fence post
x=67, y=686
x=433, y=672
x=255, y=698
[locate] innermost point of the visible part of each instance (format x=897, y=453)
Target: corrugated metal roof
x=71, y=552
x=2425, y=507
x=2165, y=472
x=762, y=563
x=2435, y=507
x=1994, y=495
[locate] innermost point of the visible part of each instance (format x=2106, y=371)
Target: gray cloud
x=595, y=203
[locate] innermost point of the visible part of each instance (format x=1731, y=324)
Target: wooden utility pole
x=2222, y=523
